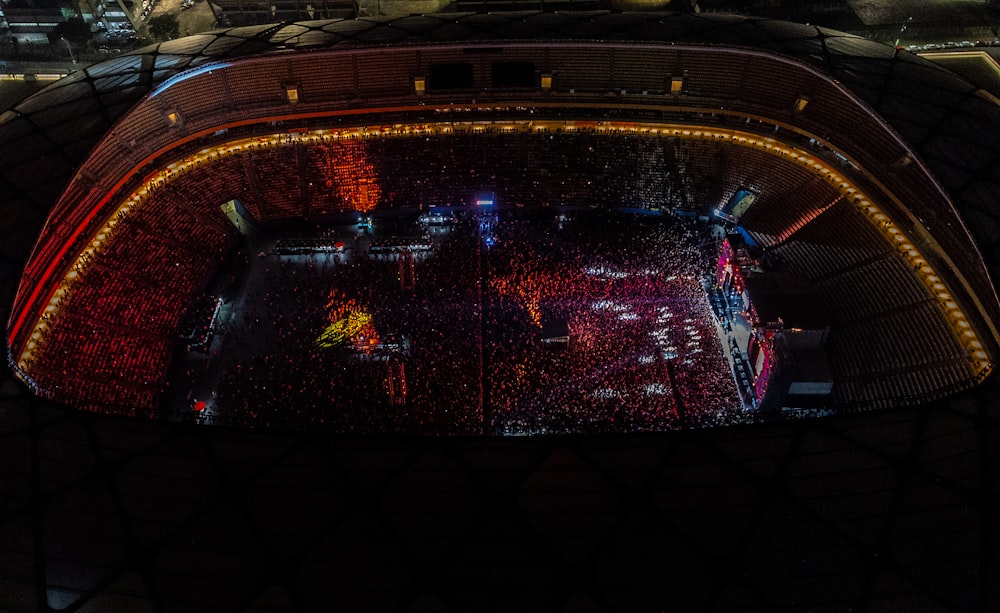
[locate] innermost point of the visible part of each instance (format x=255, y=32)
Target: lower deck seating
x=120, y=319
x=110, y=345
x=889, y=340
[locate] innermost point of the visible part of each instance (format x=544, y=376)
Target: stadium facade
x=902, y=499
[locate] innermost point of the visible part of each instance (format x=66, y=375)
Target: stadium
x=839, y=194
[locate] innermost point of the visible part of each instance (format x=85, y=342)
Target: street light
x=902, y=29
x=69, y=48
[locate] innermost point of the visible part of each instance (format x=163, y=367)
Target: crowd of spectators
x=564, y=168
x=109, y=345
x=119, y=319
x=643, y=352
x=287, y=178
x=274, y=373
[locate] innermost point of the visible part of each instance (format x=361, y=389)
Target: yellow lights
x=419, y=85
x=292, y=94
x=348, y=328
x=546, y=81
x=800, y=104
x=348, y=323
x=174, y=118
x=676, y=85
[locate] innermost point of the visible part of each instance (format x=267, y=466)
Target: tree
x=164, y=27
x=75, y=30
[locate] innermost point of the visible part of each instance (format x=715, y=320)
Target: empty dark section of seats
x=450, y=76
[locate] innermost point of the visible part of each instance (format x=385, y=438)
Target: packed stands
x=276, y=178
x=800, y=220
x=121, y=314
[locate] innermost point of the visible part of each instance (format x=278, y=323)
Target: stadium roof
x=893, y=510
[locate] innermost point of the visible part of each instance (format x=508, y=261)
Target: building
x=30, y=21
x=251, y=12
x=890, y=509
